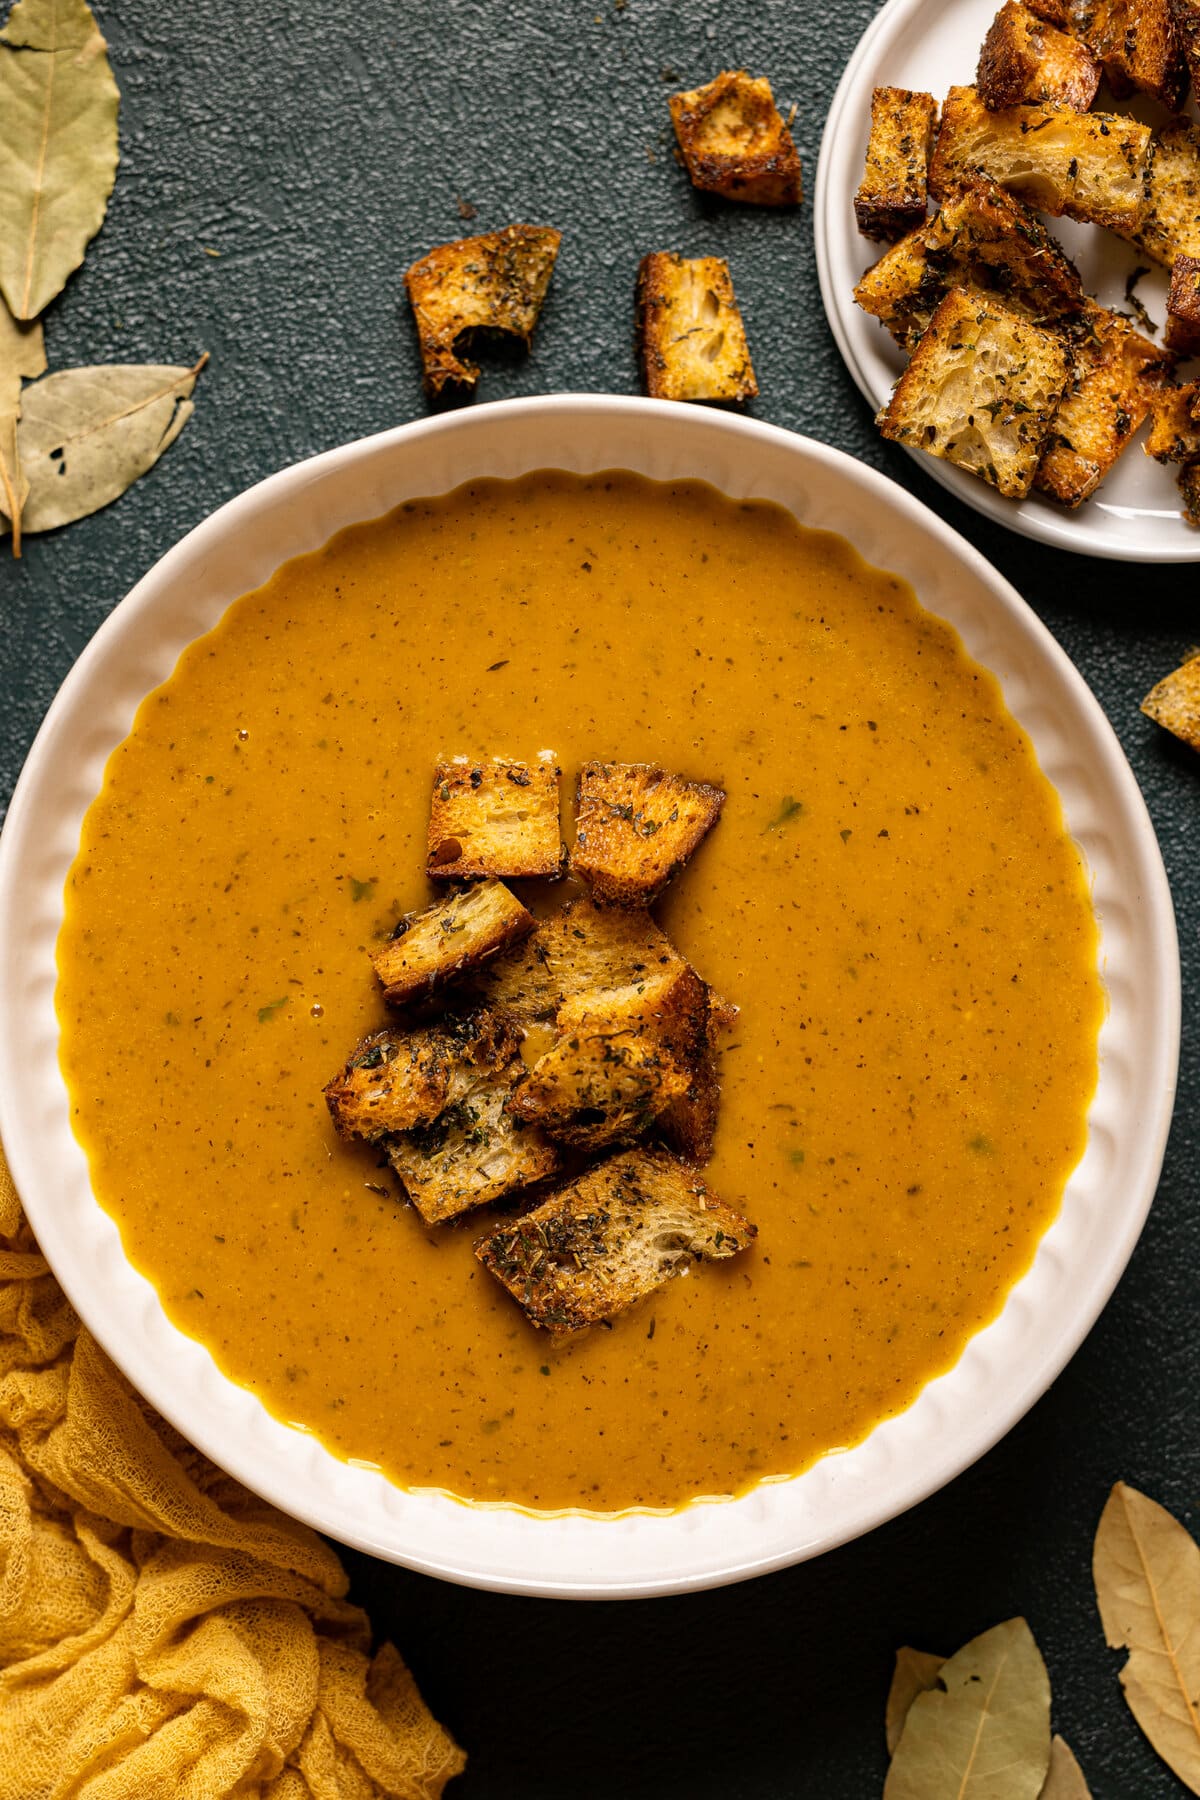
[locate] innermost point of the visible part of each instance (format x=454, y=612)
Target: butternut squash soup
x=890, y=896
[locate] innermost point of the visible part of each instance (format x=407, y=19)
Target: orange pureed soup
x=890, y=896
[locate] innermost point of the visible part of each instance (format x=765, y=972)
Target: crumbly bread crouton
x=1090, y=166
x=1189, y=488
x=609, y=1238
x=689, y=1123
x=392, y=1081
x=983, y=238
x=1174, y=434
x=579, y=949
x=1135, y=42
x=621, y=1056
x=1175, y=702
x=1115, y=375
x=1183, y=307
x=893, y=194
x=473, y=1151
x=635, y=825
x=1025, y=61
x=495, y=282
x=1054, y=12
x=691, y=340
x=1185, y=16
x=496, y=817
x=428, y=949
x=1170, y=224
x=980, y=390
x=734, y=143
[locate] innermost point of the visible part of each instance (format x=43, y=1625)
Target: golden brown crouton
x=1090, y=166
x=1185, y=16
x=391, y=1082
x=635, y=825
x=1175, y=702
x=1170, y=224
x=495, y=817
x=691, y=340
x=457, y=934
x=982, y=239
x=1189, y=488
x=734, y=143
x=472, y=1152
x=495, y=282
x=690, y=1122
x=1116, y=371
x=1183, y=307
x=1136, y=43
x=1174, y=434
x=577, y=950
x=1055, y=12
x=609, y=1238
x=620, y=1057
x=980, y=391
x=894, y=192
x=1025, y=61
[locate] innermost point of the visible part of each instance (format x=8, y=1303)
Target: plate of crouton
x=1008, y=237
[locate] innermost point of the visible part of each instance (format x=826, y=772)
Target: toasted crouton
x=1185, y=16
x=463, y=930
x=1175, y=702
x=734, y=143
x=980, y=391
x=621, y=1056
x=1189, y=488
x=495, y=817
x=1090, y=166
x=472, y=1152
x=691, y=340
x=609, y=1238
x=578, y=950
x=1183, y=307
x=1170, y=224
x=1135, y=42
x=635, y=825
x=1054, y=12
x=1174, y=434
x=689, y=1123
x=391, y=1082
x=1025, y=61
x=893, y=195
x=1115, y=374
x=983, y=238
x=495, y=282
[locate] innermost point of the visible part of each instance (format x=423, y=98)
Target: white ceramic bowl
x=1004, y=1369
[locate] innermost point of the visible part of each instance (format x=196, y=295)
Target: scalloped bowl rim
x=1003, y=1369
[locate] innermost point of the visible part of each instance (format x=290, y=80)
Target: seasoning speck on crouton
x=392, y=1081
x=1175, y=702
x=579, y=949
x=635, y=825
x=1025, y=61
x=1185, y=16
x=457, y=934
x=495, y=282
x=1183, y=307
x=495, y=817
x=1169, y=225
x=981, y=390
x=691, y=340
x=1136, y=43
x=734, y=143
x=609, y=1238
x=1115, y=375
x=893, y=194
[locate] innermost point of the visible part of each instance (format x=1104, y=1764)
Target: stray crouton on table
x=691, y=340
x=1175, y=702
x=734, y=142
x=494, y=282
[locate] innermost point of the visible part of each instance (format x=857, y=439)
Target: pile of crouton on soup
x=572, y=1058
x=1015, y=373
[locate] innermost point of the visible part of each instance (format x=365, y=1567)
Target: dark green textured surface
x=318, y=150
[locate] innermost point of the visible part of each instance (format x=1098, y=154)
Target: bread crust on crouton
x=392, y=1081
x=609, y=1238
x=893, y=194
x=1135, y=42
x=689, y=1124
x=635, y=825
x=1116, y=371
x=1025, y=61
x=1054, y=12
x=1189, y=488
x=1169, y=225
x=1183, y=307
x=1185, y=16
x=1174, y=702
x=454, y=936
x=691, y=339
x=620, y=1057
x=980, y=390
x=495, y=817
x=735, y=144
x=494, y=282
x=579, y=949
x=1174, y=434
x=1090, y=166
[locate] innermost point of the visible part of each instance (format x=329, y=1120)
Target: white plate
x=1004, y=1368
x=926, y=44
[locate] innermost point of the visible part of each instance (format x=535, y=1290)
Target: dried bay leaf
x=915, y=1673
x=22, y=357
x=1064, y=1777
x=58, y=146
x=983, y=1732
x=85, y=435
x=1147, y=1573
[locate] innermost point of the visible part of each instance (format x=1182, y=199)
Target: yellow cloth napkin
x=164, y=1635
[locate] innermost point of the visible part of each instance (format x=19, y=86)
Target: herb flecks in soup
x=890, y=897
